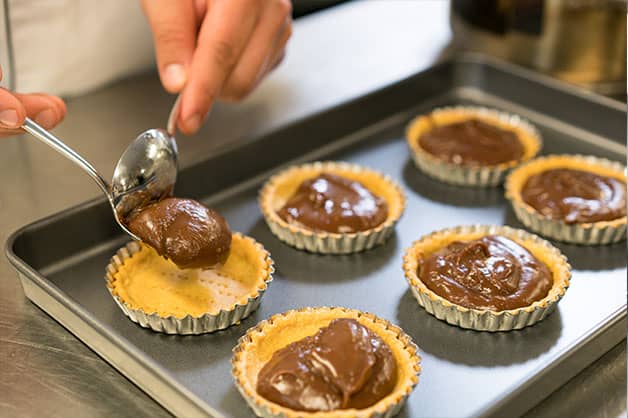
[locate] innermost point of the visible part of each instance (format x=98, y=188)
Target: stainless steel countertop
x=334, y=56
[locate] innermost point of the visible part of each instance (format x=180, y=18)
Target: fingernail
x=193, y=123
x=174, y=76
x=46, y=118
x=9, y=118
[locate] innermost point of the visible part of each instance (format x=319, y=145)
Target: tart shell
x=469, y=175
x=487, y=320
x=279, y=188
x=591, y=233
x=245, y=251
x=257, y=346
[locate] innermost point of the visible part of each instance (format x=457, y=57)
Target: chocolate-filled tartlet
x=331, y=207
x=572, y=198
x=575, y=196
x=184, y=231
x=470, y=146
x=325, y=362
x=472, y=142
x=492, y=272
x=485, y=277
x=344, y=365
x=332, y=203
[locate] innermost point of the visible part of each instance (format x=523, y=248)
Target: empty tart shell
x=592, y=233
x=280, y=187
x=487, y=320
x=469, y=175
x=156, y=294
x=257, y=346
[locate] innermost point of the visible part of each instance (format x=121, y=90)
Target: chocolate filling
x=183, y=230
x=492, y=272
x=472, y=142
x=575, y=196
x=344, y=365
x=333, y=203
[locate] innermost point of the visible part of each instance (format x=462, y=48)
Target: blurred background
x=579, y=41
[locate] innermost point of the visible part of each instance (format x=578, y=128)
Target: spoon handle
x=171, y=125
x=49, y=139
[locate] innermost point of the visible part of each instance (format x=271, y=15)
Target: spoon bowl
x=146, y=172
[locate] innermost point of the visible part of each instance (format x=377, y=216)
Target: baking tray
x=61, y=259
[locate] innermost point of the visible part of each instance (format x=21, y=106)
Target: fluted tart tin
x=590, y=233
x=487, y=320
x=190, y=324
x=256, y=347
x=465, y=174
x=280, y=187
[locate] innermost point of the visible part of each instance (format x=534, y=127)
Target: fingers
x=174, y=33
x=48, y=111
x=218, y=48
x=200, y=6
x=277, y=59
x=263, y=51
x=12, y=112
x=279, y=52
x=224, y=33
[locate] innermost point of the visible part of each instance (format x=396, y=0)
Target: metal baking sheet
x=61, y=259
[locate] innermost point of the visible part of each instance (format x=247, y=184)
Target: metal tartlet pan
x=208, y=322
x=472, y=175
x=326, y=242
x=592, y=233
x=488, y=320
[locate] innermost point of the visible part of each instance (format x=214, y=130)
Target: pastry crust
x=487, y=320
x=279, y=188
x=243, y=278
x=469, y=175
x=591, y=233
x=258, y=345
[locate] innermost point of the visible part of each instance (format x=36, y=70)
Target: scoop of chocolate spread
x=472, y=142
x=344, y=365
x=575, y=196
x=492, y=272
x=336, y=204
x=183, y=230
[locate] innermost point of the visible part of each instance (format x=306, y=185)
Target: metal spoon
x=146, y=172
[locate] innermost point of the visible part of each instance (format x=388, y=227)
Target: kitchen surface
x=46, y=371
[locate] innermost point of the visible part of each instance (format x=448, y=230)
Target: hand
x=216, y=49
x=46, y=110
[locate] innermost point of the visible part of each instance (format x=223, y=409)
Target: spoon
x=146, y=172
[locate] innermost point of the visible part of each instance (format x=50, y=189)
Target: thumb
x=173, y=24
x=12, y=112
